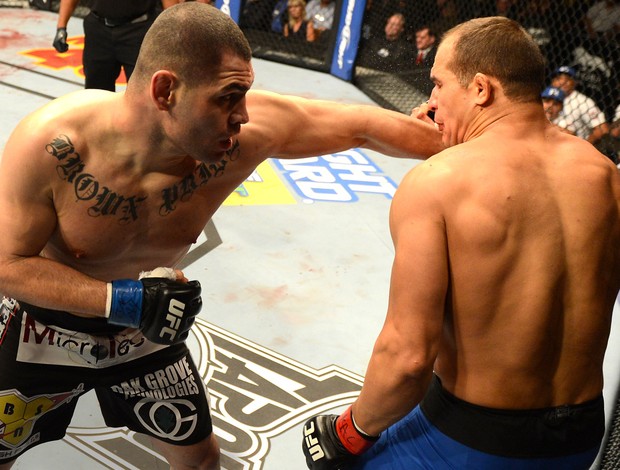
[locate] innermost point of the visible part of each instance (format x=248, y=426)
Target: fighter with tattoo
x=98, y=187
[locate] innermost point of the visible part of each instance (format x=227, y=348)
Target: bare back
x=533, y=229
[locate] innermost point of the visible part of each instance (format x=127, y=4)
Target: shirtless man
x=505, y=274
x=97, y=187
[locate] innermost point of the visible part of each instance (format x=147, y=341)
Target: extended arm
x=292, y=127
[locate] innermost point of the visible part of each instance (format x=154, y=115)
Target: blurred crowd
x=579, y=38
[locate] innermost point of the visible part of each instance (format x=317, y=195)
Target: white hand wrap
x=167, y=273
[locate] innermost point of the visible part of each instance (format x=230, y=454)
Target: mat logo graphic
x=256, y=394
x=336, y=177
x=18, y=414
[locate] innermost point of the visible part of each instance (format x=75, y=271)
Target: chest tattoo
x=202, y=174
x=103, y=201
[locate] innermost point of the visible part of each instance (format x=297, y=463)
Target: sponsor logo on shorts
x=8, y=308
x=18, y=414
x=255, y=395
x=173, y=419
x=44, y=344
x=174, y=381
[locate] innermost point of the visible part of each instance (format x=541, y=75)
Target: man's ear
x=163, y=82
x=484, y=88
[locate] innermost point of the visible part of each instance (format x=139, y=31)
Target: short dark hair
x=190, y=40
x=501, y=48
x=431, y=31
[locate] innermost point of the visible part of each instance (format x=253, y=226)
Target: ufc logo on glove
x=175, y=313
x=162, y=308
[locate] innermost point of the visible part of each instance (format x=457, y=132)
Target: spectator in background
x=426, y=47
x=279, y=16
x=391, y=52
x=580, y=111
x=297, y=25
x=553, y=103
x=448, y=16
x=321, y=12
x=610, y=143
x=543, y=20
x=505, y=8
x=113, y=34
x=378, y=12
x=603, y=20
x=257, y=14
x=615, y=127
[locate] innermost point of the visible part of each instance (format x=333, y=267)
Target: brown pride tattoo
x=105, y=201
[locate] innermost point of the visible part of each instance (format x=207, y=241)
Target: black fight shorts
x=149, y=388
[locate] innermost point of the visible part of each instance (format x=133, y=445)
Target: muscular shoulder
x=432, y=181
x=440, y=169
x=36, y=142
x=75, y=112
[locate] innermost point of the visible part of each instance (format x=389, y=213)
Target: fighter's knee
x=210, y=455
x=204, y=455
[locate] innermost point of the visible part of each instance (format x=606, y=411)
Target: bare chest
x=106, y=219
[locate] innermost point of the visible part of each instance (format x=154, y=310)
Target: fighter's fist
x=332, y=442
x=60, y=40
x=163, y=309
x=424, y=113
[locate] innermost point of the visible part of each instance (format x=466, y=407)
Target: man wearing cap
x=579, y=110
x=553, y=103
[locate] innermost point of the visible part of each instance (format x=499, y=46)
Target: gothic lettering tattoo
x=202, y=174
x=104, y=201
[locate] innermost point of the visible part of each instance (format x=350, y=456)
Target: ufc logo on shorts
x=312, y=443
x=175, y=313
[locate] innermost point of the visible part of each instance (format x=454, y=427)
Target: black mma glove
x=163, y=309
x=332, y=442
x=60, y=40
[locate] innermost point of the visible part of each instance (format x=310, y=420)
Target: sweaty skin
x=507, y=264
x=99, y=186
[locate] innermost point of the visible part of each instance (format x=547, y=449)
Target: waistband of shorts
x=536, y=433
x=114, y=22
x=68, y=321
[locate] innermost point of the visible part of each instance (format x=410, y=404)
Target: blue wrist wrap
x=126, y=306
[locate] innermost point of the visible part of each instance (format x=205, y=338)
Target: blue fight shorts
x=445, y=432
